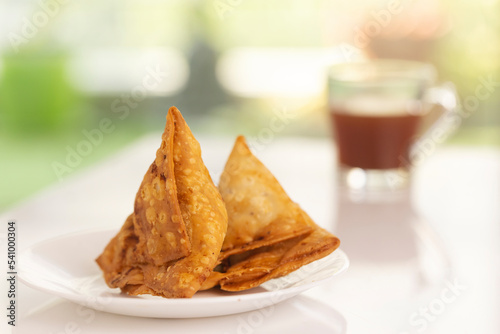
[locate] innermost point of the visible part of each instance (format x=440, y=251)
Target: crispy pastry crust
x=260, y=211
x=171, y=243
x=268, y=236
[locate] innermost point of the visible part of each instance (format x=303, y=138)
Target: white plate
x=65, y=267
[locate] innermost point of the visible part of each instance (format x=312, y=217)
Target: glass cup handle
x=444, y=96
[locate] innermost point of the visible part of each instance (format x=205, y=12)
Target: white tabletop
x=427, y=261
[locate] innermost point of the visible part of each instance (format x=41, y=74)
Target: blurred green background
x=228, y=65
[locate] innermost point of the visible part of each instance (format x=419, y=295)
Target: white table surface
x=425, y=262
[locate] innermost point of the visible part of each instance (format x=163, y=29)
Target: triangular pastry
x=260, y=210
x=268, y=235
x=172, y=241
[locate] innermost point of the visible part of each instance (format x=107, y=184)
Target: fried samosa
x=268, y=235
x=171, y=242
x=260, y=211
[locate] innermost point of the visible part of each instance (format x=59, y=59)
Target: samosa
x=268, y=234
x=171, y=242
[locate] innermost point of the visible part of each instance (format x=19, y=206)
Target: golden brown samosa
x=261, y=212
x=268, y=235
x=171, y=243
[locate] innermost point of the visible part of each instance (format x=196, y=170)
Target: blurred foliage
x=471, y=52
x=36, y=96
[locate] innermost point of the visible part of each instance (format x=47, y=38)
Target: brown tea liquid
x=374, y=142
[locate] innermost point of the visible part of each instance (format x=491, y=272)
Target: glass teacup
x=380, y=111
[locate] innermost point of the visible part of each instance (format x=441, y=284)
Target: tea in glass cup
x=376, y=108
